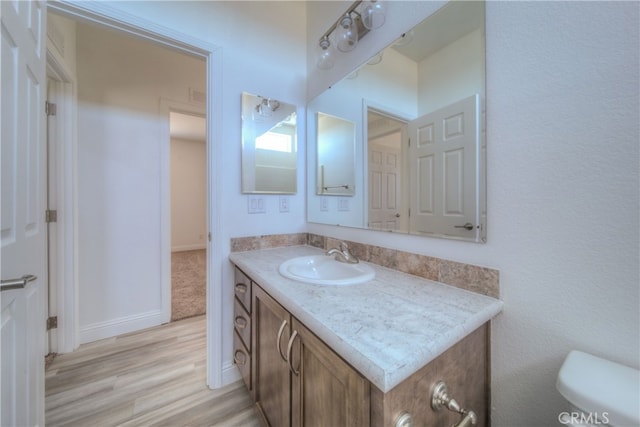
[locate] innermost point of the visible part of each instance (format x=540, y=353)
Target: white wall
x=263, y=52
x=121, y=82
x=188, y=194
x=562, y=131
x=451, y=73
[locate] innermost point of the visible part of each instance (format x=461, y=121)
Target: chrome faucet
x=343, y=254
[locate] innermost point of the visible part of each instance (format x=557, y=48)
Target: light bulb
x=346, y=34
x=374, y=15
x=324, y=59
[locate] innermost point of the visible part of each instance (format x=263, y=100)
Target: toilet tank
x=605, y=391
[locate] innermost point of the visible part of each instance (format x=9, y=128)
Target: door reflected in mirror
x=418, y=110
x=336, y=155
x=269, y=146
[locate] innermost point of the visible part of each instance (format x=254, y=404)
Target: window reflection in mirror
x=269, y=146
x=336, y=150
x=427, y=87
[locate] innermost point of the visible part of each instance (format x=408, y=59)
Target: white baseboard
x=230, y=374
x=183, y=248
x=122, y=325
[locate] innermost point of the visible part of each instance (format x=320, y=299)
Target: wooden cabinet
x=326, y=390
x=242, y=327
x=272, y=387
x=299, y=381
x=296, y=380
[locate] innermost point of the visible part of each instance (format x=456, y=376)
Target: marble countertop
x=387, y=328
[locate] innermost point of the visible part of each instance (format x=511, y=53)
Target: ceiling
x=452, y=21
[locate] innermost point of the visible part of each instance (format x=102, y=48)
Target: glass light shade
x=374, y=14
x=263, y=108
x=324, y=54
x=346, y=34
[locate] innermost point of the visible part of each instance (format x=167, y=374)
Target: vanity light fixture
x=374, y=14
x=325, y=54
x=346, y=34
x=361, y=17
x=267, y=106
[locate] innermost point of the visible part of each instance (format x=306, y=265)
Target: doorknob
x=17, y=283
x=467, y=226
x=397, y=215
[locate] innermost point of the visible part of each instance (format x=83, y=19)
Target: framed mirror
x=336, y=139
x=269, y=146
x=418, y=109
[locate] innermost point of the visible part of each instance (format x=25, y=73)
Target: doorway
x=188, y=215
x=211, y=56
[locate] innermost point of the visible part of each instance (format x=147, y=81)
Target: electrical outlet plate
x=284, y=204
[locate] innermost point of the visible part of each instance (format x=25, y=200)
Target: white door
x=384, y=184
x=444, y=171
x=22, y=230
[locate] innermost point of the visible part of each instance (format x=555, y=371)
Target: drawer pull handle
x=289, y=347
x=241, y=288
x=240, y=322
x=284, y=323
x=240, y=361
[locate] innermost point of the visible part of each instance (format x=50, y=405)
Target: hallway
x=151, y=377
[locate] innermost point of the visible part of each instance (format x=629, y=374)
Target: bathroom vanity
x=358, y=355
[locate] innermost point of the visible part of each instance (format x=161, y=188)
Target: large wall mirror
x=420, y=151
x=269, y=146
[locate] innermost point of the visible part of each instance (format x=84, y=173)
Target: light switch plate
x=256, y=205
x=343, y=205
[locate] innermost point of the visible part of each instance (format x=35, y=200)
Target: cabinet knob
x=240, y=322
x=404, y=420
x=241, y=288
x=239, y=360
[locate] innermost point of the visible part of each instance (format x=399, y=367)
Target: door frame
x=106, y=15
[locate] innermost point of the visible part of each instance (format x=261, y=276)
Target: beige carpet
x=188, y=284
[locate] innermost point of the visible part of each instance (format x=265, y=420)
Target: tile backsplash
x=474, y=278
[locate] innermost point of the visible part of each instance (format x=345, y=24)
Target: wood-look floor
x=152, y=377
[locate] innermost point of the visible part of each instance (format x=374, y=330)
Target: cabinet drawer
x=242, y=359
x=242, y=289
x=242, y=324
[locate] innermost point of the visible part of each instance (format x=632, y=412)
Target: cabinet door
x=326, y=390
x=272, y=377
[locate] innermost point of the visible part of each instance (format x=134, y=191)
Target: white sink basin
x=324, y=270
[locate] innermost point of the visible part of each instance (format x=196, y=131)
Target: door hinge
x=51, y=216
x=52, y=323
x=49, y=108
x=409, y=141
x=209, y=236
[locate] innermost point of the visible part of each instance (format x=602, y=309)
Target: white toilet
x=599, y=392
